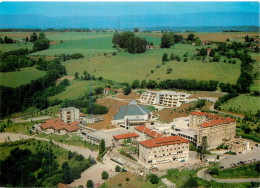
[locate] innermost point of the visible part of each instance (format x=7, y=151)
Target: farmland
x=76, y=89
x=15, y=79
x=125, y=67
x=242, y=103
x=15, y=46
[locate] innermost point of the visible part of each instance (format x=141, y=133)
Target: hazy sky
x=122, y=8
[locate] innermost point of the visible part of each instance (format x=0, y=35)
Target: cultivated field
x=242, y=103
x=15, y=46
x=15, y=79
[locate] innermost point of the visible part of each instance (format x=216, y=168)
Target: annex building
x=214, y=127
x=164, y=98
x=69, y=114
x=163, y=150
x=132, y=115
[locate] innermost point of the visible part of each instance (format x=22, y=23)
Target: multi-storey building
x=132, y=115
x=163, y=149
x=69, y=114
x=165, y=98
x=214, y=128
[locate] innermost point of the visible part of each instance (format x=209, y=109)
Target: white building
x=69, y=114
x=165, y=98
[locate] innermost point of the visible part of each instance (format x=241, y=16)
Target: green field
x=247, y=171
x=242, y=103
x=15, y=46
x=126, y=67
x=77, y=88
x=256, y=71
x=15, y=79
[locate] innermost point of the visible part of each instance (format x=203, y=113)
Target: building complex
x=165, y=98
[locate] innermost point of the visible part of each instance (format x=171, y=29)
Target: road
x=212, y=109
x=19, y=120
x=206, y=176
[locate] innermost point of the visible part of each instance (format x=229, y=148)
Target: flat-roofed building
x=132, y=115
x=165, y=98
x=163, y=149
x=214, y=127
x=69, y=114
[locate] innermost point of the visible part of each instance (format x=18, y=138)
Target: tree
x=153, y=178
x=136, y=30
x=143, y=84
x=172, y=56
x=190, y=37
x=76, y=75
x=104, y=175
x=135, y=84
x=165, y=57
x=197, y=41
x=33, y=37
x=90, y=184
x=27, y=39
x=102, y=146
x=99, y=90
x=127, y=90
x=41, y=44
x=202, y=149
x=192, y=182
x=167, y=40
x=117, y=168
x=151, y=84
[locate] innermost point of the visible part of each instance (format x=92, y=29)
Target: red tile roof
x=82, y=115
x=123, y=136
x=163, y=141
x=58, y=124
x=62, y=185
x=106, y=88
x=217, y=122
x=148, y=131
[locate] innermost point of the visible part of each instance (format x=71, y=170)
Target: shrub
x=114, y=53
x=90, y=184
x=104, y=175
x=153, y=178
x=119, y=185
x=127, y=179
x=117, y=168
x=185, y=59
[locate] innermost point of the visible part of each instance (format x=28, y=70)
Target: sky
x=57, y=9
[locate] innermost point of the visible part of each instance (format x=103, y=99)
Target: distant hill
x=207, y=19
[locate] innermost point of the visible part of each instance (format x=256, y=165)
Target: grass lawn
x=179, y=178
x=15, y=46
x=77, y=88
x=58, y=138
x=17, y=127
x=247, y=171
x=133, y=182
x=125, y=67
x=15, y=79
x=243, y=104
x=41, y=135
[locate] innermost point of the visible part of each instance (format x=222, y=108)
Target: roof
x=217, y=122
x=163, y=141
x=58, y=124
x=148, y=131
x=106, y=88
x=62, y=185
x=127, y=135
x=131, y=109
x=82, y=115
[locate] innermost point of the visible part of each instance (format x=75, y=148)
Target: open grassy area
x=58, y=138
x=126, y=67
x=15, y=79
x=133, y=182
x=17, y=127
x=77, y=88
x=15, y=46
x=246, y=171
x=243, y=104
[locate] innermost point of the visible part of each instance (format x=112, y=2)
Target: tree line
x=33, y=94
x=6, y=40
x=24, y=168
x=128, y=41
x=186, y=84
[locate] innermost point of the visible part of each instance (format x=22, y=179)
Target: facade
x=215, y=128
x=92, y=119
x=240, y=145
x=132, y=115
x=124, y=139
x=163, y=149
x=164, y=98
x=69, y=114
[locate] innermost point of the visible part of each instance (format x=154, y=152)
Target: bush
x=117, y=168
x=90, y=184
x=127, y=179
x=104, y=175
x=185, y=59
x=114, y=53
x=76, y=56
x=119, y=185
x=153, y=178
